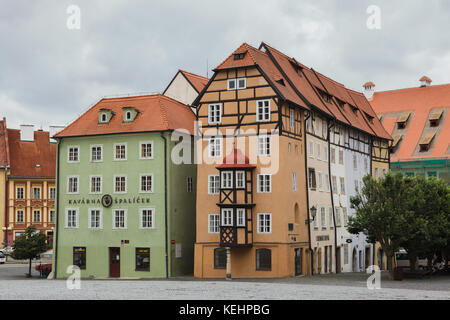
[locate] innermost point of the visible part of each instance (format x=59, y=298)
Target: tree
x=29, y=245
x=428, y=225
x=382, y=210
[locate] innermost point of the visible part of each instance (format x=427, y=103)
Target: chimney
x=54, y=130
x=26, y=132
x=369, y=89
x=425, y=81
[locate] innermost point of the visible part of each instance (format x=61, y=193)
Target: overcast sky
x=50, y=74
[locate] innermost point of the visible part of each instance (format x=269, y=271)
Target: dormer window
x=425, y=142
x=105, y=116
x=239, y=56
x=325, y=96
x=397, y=138
x=435, y=117
x=280, y=81
x=129, y=114
x=401, y=122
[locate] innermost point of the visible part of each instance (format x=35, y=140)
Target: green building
x=124, y=208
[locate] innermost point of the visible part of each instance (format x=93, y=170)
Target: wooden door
x=338, y=260
x=114, y=262
x=298, y=261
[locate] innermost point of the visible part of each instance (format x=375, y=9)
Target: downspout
x=57, y=207
x=332, y=199
x=308, y=115
x=6, y=206
x=165, y=205
x=371, y=167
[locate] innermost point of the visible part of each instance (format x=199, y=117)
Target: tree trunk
x=389, y=264
x=29, y=269
x=412, y=256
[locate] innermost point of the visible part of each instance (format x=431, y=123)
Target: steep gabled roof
x=197, y=82
x=155, y=113
x=235, y=159
x=421, y=102
x=32, y=158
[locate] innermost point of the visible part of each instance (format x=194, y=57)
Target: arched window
x=263, y=259
x=220, y=258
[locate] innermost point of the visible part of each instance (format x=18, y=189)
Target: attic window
x=397, y=138
x=128, y=115
x=369, y=117
x=239, y=56
x=355, y=110
x=435, y=116
x=401, y=122
x=425, y=142
x=325, y=96
x=280, y=81
x=104, y=117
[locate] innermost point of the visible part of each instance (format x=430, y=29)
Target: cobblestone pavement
x=341, y=286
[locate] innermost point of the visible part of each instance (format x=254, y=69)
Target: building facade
x=27, y=182
x=251, y=198
x=417, y=119
x=125, y=206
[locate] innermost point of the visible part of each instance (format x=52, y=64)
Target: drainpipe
x=165, y=205
x=6, y=205
x=370, y=172
x=308, y=115
x=57, y=207
x=332, y=199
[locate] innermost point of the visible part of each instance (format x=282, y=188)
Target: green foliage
x=29, y=245
x=399, y=211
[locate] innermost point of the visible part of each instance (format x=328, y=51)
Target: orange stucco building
x=251, y=177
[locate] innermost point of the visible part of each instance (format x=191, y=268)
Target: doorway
x=354, y=261
x=298, y=261
x=367, y=260
x=326, y=259
x=338, y=260
x=114, y=262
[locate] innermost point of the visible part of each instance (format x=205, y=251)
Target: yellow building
x=27, y=182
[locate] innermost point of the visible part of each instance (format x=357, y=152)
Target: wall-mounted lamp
x=313, y=211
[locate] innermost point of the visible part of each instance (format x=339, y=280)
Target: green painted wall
x=180, y=208
x=436, y=167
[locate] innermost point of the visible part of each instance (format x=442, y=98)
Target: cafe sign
x=108, y=200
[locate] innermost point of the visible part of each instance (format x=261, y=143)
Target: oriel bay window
x=79, y=257
x=240, y=217
x=142, y=259
x=263, y=259
x=227, y=179
x=240, y=179
x=227, y=217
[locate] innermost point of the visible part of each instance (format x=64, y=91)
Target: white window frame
x=330, y=217
x=40, y=215
x=265, y=116
x=100, y=218
x=327, y=182
x=258, y=183
x=323, y=217
x=342, y=185
x=214, y=223
x=226, y=217
x=90, y=184
x=213, y=184
x=325, y=154
x=68, y=154
x=140, y=150
x=262, y=217
x=311, y=149
x=77, y=215
x=141, y=218
x=240, y=183
x=237, y=83
x=226, y=179
x=228, y=84
x=152, y=182
x=78, y=184
x=215, y=143
x=33, y=188
x=240, y=217
x=115, y=151
x=264, y=148
x=17, y=215
x=50, y=193
x=319, y=181
x=114, y=183
x=101, y=153
x=214, y=113
x=23, y=192
x=50, y=220
x=124, y=221
x=338, y=217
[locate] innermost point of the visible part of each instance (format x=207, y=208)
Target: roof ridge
x=193, y=74
x=242, y=45
x=412, y=88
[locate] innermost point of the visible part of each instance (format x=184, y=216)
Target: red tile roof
x=31, y=158
x=198, y=82
x=157, y=113
x=369, y=84
x=236, y=159
x=425, y=78
x=420, y=101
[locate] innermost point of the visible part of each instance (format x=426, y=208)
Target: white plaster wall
x=181, y=90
